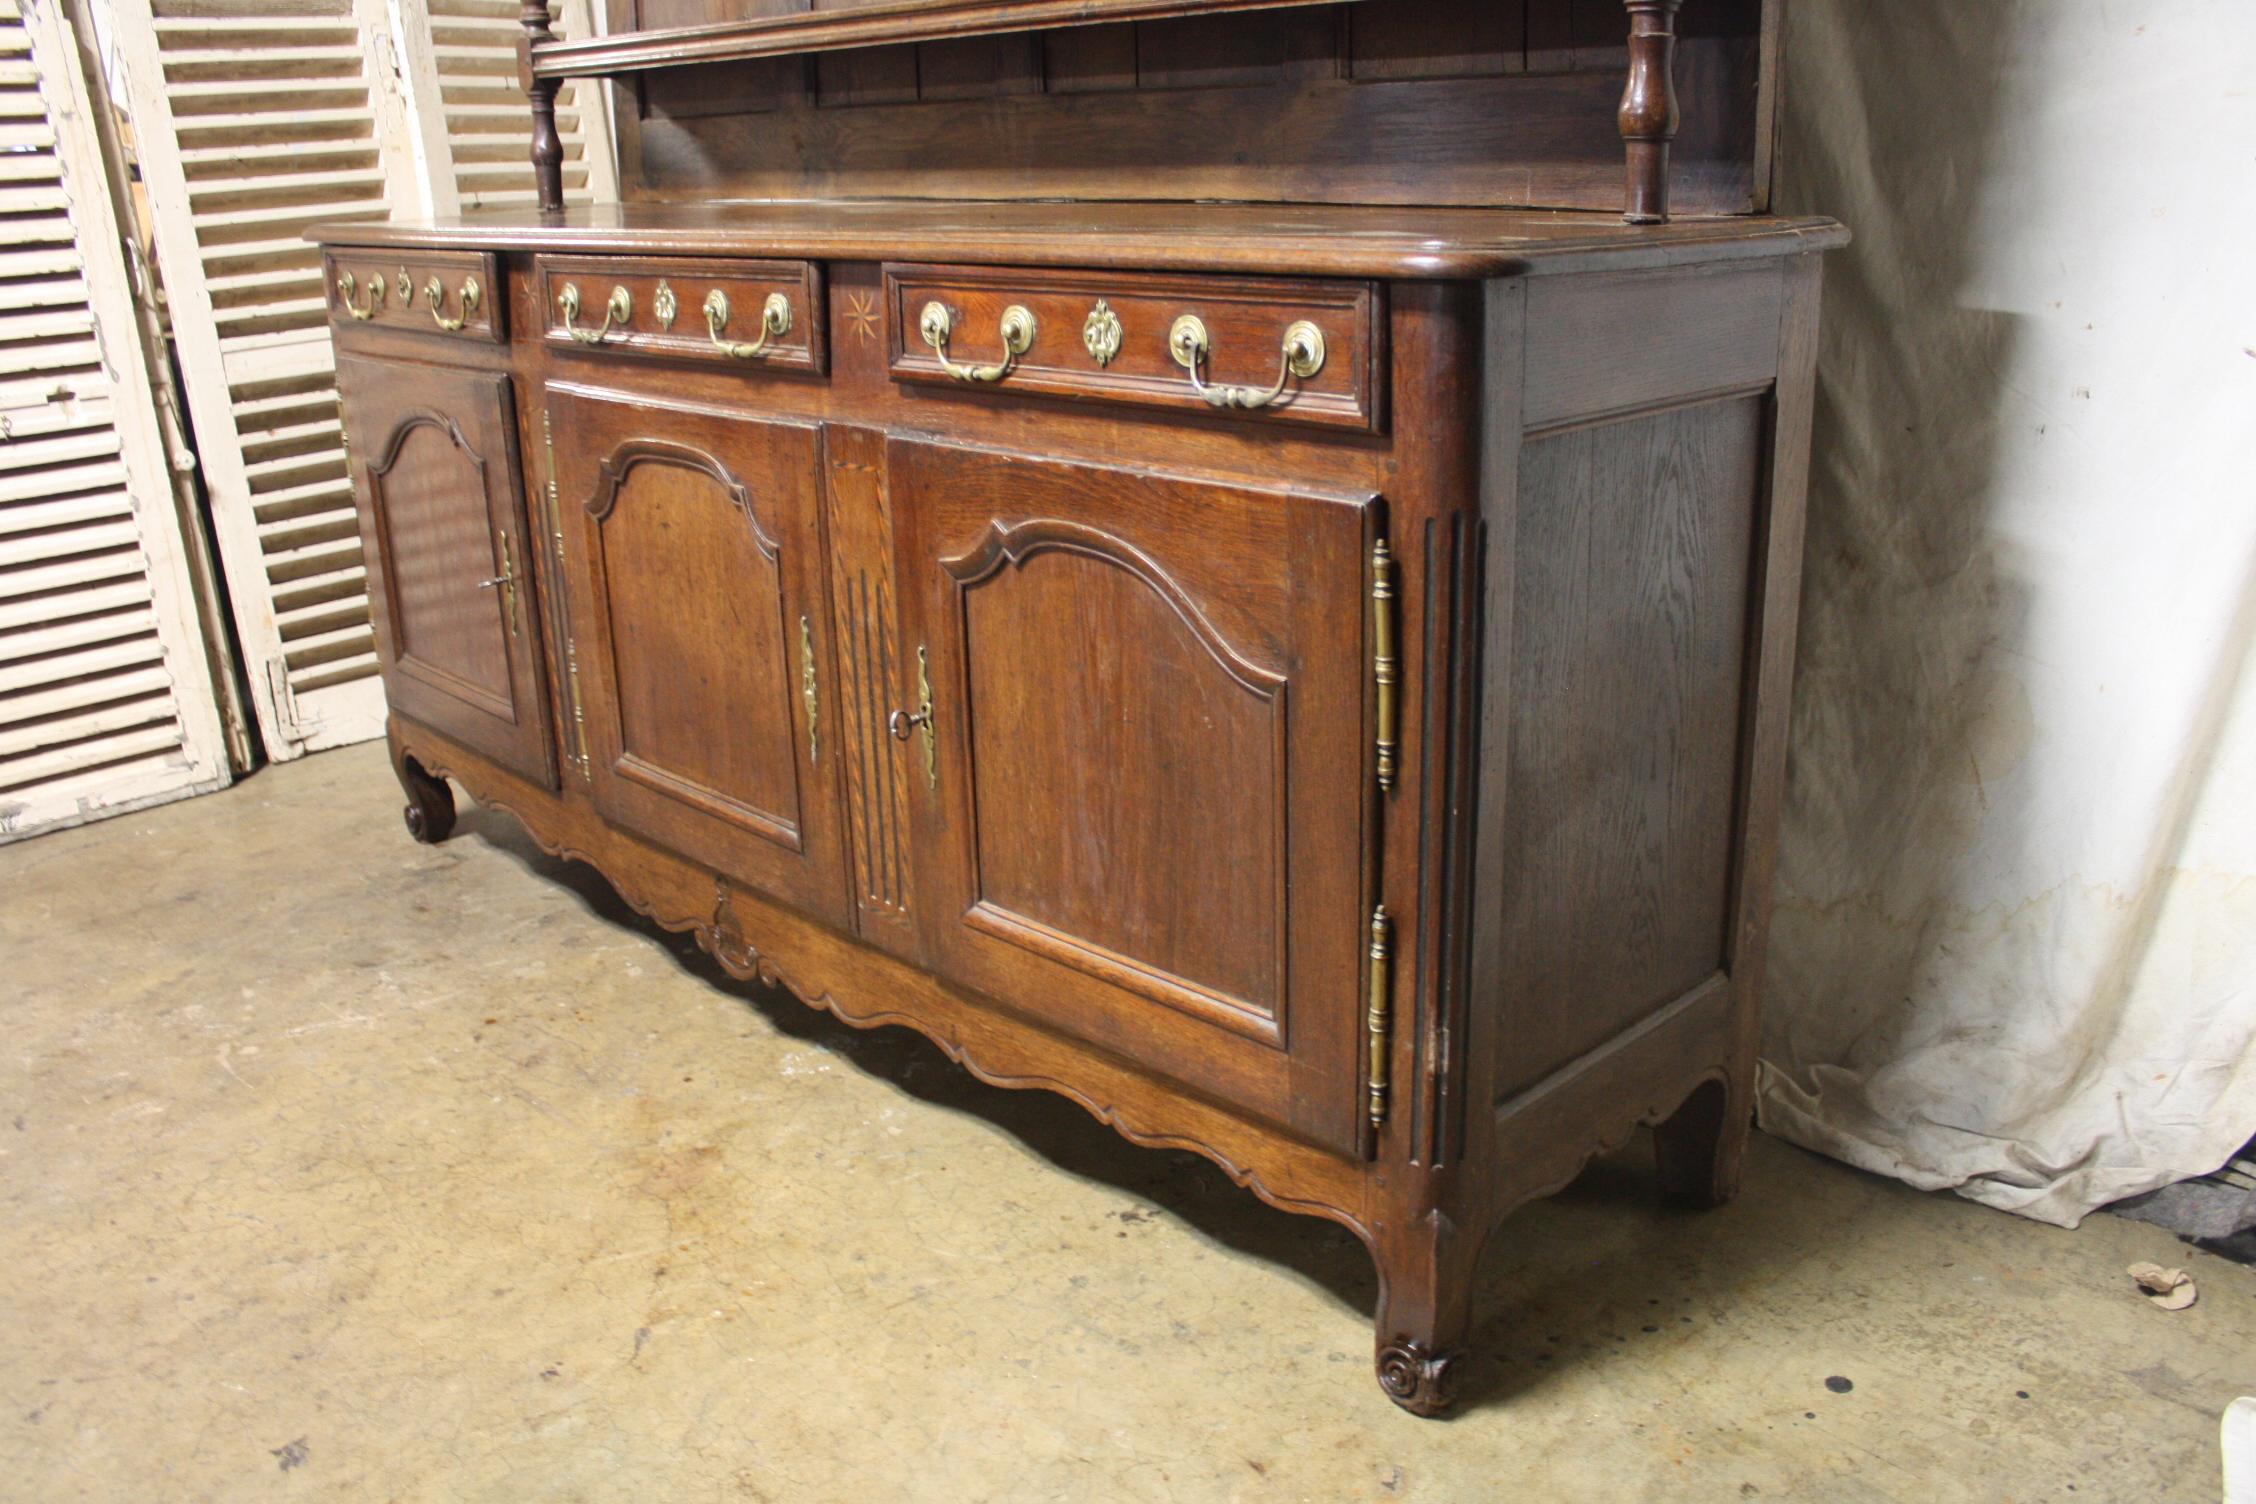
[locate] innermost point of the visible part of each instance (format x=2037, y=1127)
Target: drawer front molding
x=1254, y=348
x=453, y=294
x=748, y=315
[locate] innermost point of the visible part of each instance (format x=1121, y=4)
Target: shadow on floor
x=1521, y=1324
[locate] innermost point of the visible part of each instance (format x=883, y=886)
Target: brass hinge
x=1381, y=1013
x=555, y=515
x=1385, y=667
x=579, y=751
x=807, y=688
x=579, y=715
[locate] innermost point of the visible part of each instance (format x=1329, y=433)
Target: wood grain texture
x=1141, y=864
x=695, y=534
x=1301, y=136
x=1634, y=543
x=1245, y=318
x=802, y=347
x=371, y=285
x=1613, y=344
x=1144, y=823
x=693, y=31
x=440, y=494
x=872, y=682
x=1335, y=240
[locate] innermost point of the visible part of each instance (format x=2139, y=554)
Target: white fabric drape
x=2015, y=943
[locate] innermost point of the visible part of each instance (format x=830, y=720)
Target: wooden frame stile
x=136, y=640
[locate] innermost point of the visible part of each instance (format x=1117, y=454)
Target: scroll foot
x=430, y=803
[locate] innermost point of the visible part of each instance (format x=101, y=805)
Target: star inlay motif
x=861, y=314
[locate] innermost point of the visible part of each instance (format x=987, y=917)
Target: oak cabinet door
x=693, y=538
x=442, y=515
x=1140, y=782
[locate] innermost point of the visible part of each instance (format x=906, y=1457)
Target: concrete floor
x=338, y=1167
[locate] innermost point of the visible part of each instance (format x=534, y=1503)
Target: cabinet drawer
x=456, y=294
x=1129, y=337
x=757, y=315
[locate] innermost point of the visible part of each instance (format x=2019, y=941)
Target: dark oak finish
x=668, y=302
x=449, y=562
x=451, y=294
x=698, y=597
x=1539, y=103
x=1362, y=771
x=1322, y=240
x=1246, y=321
x=1141, y=821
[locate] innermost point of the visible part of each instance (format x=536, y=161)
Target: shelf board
x=874, y=25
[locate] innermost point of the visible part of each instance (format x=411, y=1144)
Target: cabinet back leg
x=1700, y=1148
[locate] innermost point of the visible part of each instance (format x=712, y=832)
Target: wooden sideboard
x=1306, y=681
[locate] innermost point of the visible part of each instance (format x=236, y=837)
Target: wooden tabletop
x=1311, y=239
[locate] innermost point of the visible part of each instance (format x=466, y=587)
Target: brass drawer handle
x=434, y=293
x=1303, y=353
x=936, y=323
x=775, y=322
x=346, y=285
x=617, y=311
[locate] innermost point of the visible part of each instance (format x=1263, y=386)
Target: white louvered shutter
x=253, y=120
x=106, y=696
x=458, y=71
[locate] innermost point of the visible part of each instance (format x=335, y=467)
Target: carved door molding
x=1143, y=818
x=697, y=601
x=451, y=574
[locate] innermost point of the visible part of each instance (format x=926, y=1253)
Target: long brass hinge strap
x=1386, y=670
x=808, y=691
x=578, y=752
x=1380, y=1015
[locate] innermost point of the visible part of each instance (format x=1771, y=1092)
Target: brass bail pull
x=618, y=310
x=937, y=323
x=775, y=322
x=434, y=293
x=346, y=283
x=1302, y=357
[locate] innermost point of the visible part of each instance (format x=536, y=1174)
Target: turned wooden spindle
x=1648, y=109
x=548, y=147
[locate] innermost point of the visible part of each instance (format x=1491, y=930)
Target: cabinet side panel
x=1634, y=545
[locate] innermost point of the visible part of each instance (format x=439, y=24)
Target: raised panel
x=693, y=604
x=1635, y=543
x=1165, y=746
x=1142, y=821
x=441, y=498
x=430, y=489
x=695, y=565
